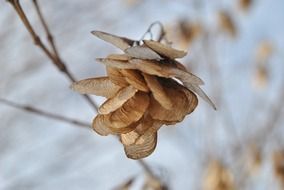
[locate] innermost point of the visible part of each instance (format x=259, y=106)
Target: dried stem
x=47, y=31
x=57, y=61
x=53, y=56
x=162, y=35
x=46, y=114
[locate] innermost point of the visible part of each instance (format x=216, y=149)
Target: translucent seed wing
x=101, y=86
x=164, y=50
x=119, y=42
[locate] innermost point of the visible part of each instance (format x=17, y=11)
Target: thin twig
x=46, y=114
x=54, y=57
x=47, y=31
x=161, y=36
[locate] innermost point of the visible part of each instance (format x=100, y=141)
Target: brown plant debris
x=261, y=75
x=145, y=88
x=218, y=177
x=226, y=23
x=245, y=4
x=278, y=162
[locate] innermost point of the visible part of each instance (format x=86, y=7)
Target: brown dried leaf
x=154, y=68
x=164, y=50
x=116, y=77
x=134, y=78
x=142, y=52
x=118, y=100
x=119, y=42
x=101, y=86
x=158, y=92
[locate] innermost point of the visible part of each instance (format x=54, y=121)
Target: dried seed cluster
x=145, y=88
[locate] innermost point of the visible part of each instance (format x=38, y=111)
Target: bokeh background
x=236, y=48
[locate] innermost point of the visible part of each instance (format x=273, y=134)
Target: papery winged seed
x=182, y=107
x=118, y=100
x=124, y=130
x=130, y=138
x=131, y=111
x=121, y=57
x=164, y=50
x=153, y=68
x=116, y=76
x=142, y=52
x=196, y=89
x=119, y=42
x=101, y=125
x=158, y=91
x=165, y=70
x=134, y=78
x=116, y=63
x=144, y=145
x=101, y=86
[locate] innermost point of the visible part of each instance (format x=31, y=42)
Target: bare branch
x=54, y=57
x=46, y=114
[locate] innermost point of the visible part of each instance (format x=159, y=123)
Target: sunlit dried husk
x=116, y=77
x=227, y=24
x=118, y=100
x=164, y=50
x=142, y=52
x=144, y=145
x=153, y=68
x=158, y=92
x=101, y=86
x=120, y=42
x=134, y=78
x=185, y=103
x=218, y=177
